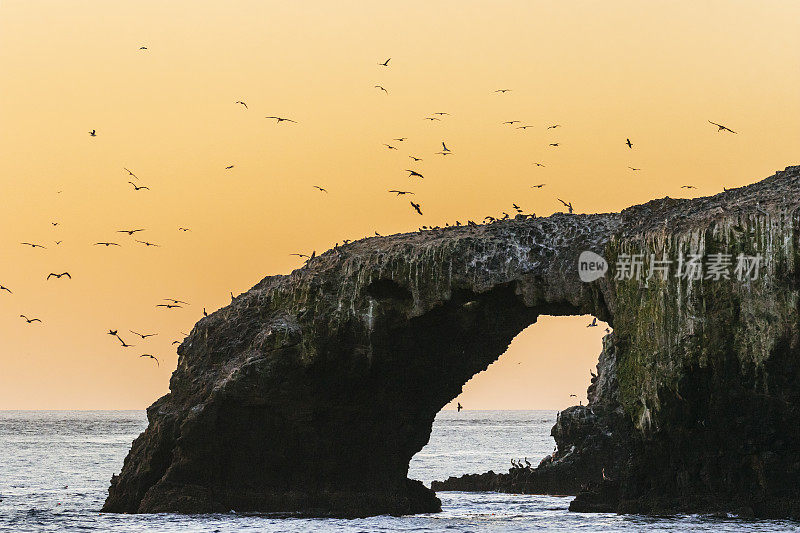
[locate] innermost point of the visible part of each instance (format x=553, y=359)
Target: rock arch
x=311, y=392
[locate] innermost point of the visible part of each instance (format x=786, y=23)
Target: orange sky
x=651, y=71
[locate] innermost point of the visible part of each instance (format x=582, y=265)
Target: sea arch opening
x=509, y=408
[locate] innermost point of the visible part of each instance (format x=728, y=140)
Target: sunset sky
x=654, y=72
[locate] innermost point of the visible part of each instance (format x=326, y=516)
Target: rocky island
x=311, y=392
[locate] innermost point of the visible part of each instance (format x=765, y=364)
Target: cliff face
x=311, y=392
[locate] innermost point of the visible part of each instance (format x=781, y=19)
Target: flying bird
x=399, y=193
x=720, y=127
x=106, y=244
x=4, y=288
x=184, y=229
x=240, y=102
x=112, y=332
x=33, y=245
x=30, y=320
x=173, y=300
x=59, y=276
x=58, y=242
x=553, y=126
x=412, y=173
x=444, y=147
x=319, y=188
x=634, y=168
x=143, y=335
x=281, y=119
x=400, y=139
x=538, y=186
x=93, y=133
x=229, y=167
x=382, y=88
x=628, y=142
x=154, y=358
x=502, y=90
x=523, y=127
x=142, y=48
x=688, y=187
x=389, y=146
x=416, y=207
x=134, y=176
x=385, y=63
x=138, y=188
x=302, y=255
x=510, y=122
x=129, y=231
x=169, y=306
x=415, y=158
x=146, y=243
x=539, y=164
x=432, y=118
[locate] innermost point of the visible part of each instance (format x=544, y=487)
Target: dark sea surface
x=55, y=468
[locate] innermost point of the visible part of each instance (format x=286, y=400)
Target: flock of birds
x=170, y=303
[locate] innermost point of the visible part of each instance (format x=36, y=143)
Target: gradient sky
x=655, y=72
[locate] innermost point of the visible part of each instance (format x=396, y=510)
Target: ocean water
x=55, y=468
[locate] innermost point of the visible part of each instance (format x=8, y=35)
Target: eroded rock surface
x=311, y=392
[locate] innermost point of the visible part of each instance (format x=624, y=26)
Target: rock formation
x=311, y=392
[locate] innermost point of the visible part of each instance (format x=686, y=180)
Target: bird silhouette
x=93, y=133
x=58, y=242
x=169, y=306
x=173, y=300
x=554, y=144
x=282, y=119
x=458, y=407
x=229, y=167
x=415, y=158
x=444, y=147
x=143, y=335
x=4, y=288
x=720, y=127
x=106, y=244
x=30, y=320
x=59, y=276
x=142, y=48
x=240, y=102
x=538, y=186
x=553, y=126
x=511, y=122
x=399, y=193
x=523, y=127
x=146, y=243
x=416, y=207
x=33, y=245
x=412, y=173
x=568, y=205
x=628, y=142
x=302, y=255
x=441, y=113
x=134, y=176
x=389, y=146
x=382, y=88
x=154, y=358
x=688, y=187
x=319, y=188
x=124, y=344
x=184, y=229
x=400, y=139
x=385, y=63
x=137, y=187
x=503, y=91
x=593, y=324
x=129, y=231
x=432, y=118
x=634, y=168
